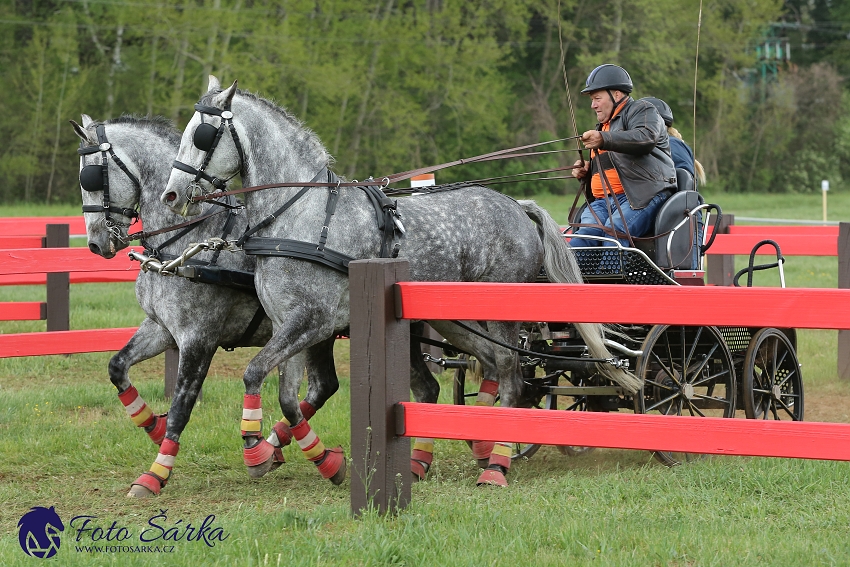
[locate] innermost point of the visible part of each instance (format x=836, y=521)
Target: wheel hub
x=776, y=391
x=688, y=391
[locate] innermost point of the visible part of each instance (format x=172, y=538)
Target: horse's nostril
x=95, y=249
x=170, y=196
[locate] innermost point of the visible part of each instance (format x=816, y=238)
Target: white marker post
x=824, y=187
x=424, y=180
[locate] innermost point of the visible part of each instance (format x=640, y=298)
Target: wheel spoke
x=693, y=408
x=711, y=378
x=711, y=398
x=662, y=402
x=659, y=385
x=787, y=410
x=693, y=348
x=791, y=373
x=666, y=370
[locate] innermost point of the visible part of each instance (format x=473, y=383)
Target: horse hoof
x=278, y=459
x=334, y=458
x=138, y=491
x=492, y=477
x=259, y=471
x=260, y=458
x=419, y=470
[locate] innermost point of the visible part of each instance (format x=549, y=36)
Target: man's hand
x=592, y=140
x=580, y=171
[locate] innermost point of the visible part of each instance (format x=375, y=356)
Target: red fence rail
x=58, y=267
x=382, y=420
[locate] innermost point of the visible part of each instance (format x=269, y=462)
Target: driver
x=631, y=170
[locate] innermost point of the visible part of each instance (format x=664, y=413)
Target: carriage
x=695, y=371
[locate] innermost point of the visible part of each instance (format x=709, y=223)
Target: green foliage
x=391, y=85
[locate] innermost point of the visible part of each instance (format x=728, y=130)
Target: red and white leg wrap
x=281, y=435
x=327, y=461
x=487, y=393
x=157, y=477
x=307, y=409
x=422, y=457
x=486, y=397
x=142, y=415
x=252, y=426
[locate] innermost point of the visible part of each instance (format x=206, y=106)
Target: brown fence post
x=721, y=269
x=58, y=285
x=844, y=283
x=380, y=378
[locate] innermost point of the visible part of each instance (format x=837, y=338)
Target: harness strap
x=271, y=218
x=252, y=327
x=330, y=208
x=259, y=246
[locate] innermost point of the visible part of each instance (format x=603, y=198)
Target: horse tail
x=561, y=267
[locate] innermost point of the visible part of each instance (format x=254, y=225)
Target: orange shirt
x=611, y=175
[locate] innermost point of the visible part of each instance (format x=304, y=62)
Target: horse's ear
x=87, y=120
x=223, y=99
x=214, y=84
x=81, y=132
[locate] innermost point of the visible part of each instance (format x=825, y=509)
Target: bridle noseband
x=206, y=139
x=96, y=178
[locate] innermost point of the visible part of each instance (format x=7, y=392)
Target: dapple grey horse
x=196, y=318
x=468, y=234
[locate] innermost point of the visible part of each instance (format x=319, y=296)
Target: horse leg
x=257, y=450
x=192, y=369
x=481, y=450
x=322, y=383
x=425, y=389
x=150, y=340
x=510, y=390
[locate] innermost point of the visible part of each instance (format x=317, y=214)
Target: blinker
x=91, y=178
x=204, y=137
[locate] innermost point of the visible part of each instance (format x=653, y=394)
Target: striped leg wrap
x=157, y=477
x=281, y=435
x=422, y=457
x=486, y=397
x=327, y=461
x=487, y=393
x=252, y=426
x=142, y=415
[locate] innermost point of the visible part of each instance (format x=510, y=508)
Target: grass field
x=65, y=441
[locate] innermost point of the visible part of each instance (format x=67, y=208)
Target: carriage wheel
x=773, y=383
x=461, y=396
x=686, y=371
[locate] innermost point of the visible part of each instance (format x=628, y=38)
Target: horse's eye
x=91, y=178
x=205, y=137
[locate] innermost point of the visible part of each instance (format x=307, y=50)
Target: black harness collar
x=96, y=178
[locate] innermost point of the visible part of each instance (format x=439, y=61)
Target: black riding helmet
x=608, y=77
x=663, y=109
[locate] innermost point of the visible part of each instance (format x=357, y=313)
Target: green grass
x=65, y=441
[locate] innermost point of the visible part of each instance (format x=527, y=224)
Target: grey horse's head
x=222, y=163
x=106, y=232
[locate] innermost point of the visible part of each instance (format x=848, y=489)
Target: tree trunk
x=58, y=131
x=177, y=93
x=152, y=78
x=364, y=103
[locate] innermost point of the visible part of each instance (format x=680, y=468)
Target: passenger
x=632, y=146
x=683, y=158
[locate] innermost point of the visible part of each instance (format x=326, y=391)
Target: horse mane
x=308, y=136
x=158, y=124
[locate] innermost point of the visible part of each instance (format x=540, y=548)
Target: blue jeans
x=639, y=221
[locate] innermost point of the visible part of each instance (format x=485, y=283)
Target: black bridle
x=206, y=139
x=96, y=178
